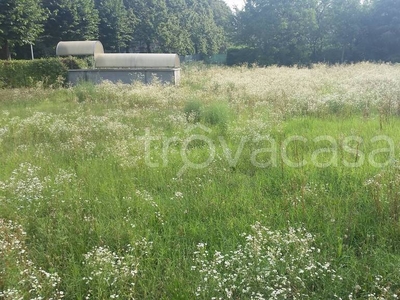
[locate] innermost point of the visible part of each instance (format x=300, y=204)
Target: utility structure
x=120, y=67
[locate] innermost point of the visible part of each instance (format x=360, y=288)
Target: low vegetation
x=241, y=183
x=49, y=72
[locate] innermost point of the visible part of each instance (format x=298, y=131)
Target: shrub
x=28, y=73
x=216, y=114
x=193, y=110
x=73, y=63
x=240, y=56
x=213, y=114
x=85, y=91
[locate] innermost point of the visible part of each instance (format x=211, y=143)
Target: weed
x=216, y=114
x=313, y=147
x=193, y=111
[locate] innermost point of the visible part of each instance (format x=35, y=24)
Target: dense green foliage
x=300, y=32
x=68, y=20
x=180, y=26
x=242, y=55
x=116, y=25
x=20, y=23
x=269, y=32
x=29, y=73
x=241, y=183
x=384, y=29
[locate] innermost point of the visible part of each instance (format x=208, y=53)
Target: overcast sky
x=232, y=3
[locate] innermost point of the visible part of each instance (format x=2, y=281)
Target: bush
x=240, y=56
x=193, y=110
x=216, y=114
x=73, y=63
x=28, y=73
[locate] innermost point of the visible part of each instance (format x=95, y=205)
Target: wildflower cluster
x=122, y=151
x=113, y=275
x=317, y=91
x=270, y=265
x=26, y=185
x=379, y=290
x=20, y=278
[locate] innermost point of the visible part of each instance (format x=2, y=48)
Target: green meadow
x=240, y=183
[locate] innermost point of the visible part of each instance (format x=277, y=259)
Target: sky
x=232, y=3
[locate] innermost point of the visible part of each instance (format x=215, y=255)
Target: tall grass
x=261, y=183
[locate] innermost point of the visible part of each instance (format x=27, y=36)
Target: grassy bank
x=240, y=183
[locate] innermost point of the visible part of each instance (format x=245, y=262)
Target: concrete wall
x=128, y=76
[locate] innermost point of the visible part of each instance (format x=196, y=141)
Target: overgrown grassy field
x=241, y=183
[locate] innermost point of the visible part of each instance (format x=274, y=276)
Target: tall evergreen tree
x=20, y=23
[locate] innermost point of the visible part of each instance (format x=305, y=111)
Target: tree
x=174, y=35
x=116, y=25
x=347, y=17
x=384, y=31
x=70, y=20
x=280, y=29
x=20, y=23
x=223, y=16
x=207, y=37
x=181, y=26
x=320, y=38
x=151, y=16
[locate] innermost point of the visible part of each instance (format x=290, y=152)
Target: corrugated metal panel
x=79, y=48
x=141, y=60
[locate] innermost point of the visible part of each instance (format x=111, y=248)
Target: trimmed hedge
x=28, y=73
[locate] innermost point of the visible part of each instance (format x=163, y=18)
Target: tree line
x=181, y=26
x=288, y=32
x=283, y=32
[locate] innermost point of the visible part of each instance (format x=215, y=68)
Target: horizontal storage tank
x=76, y=48
x=137, y=61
